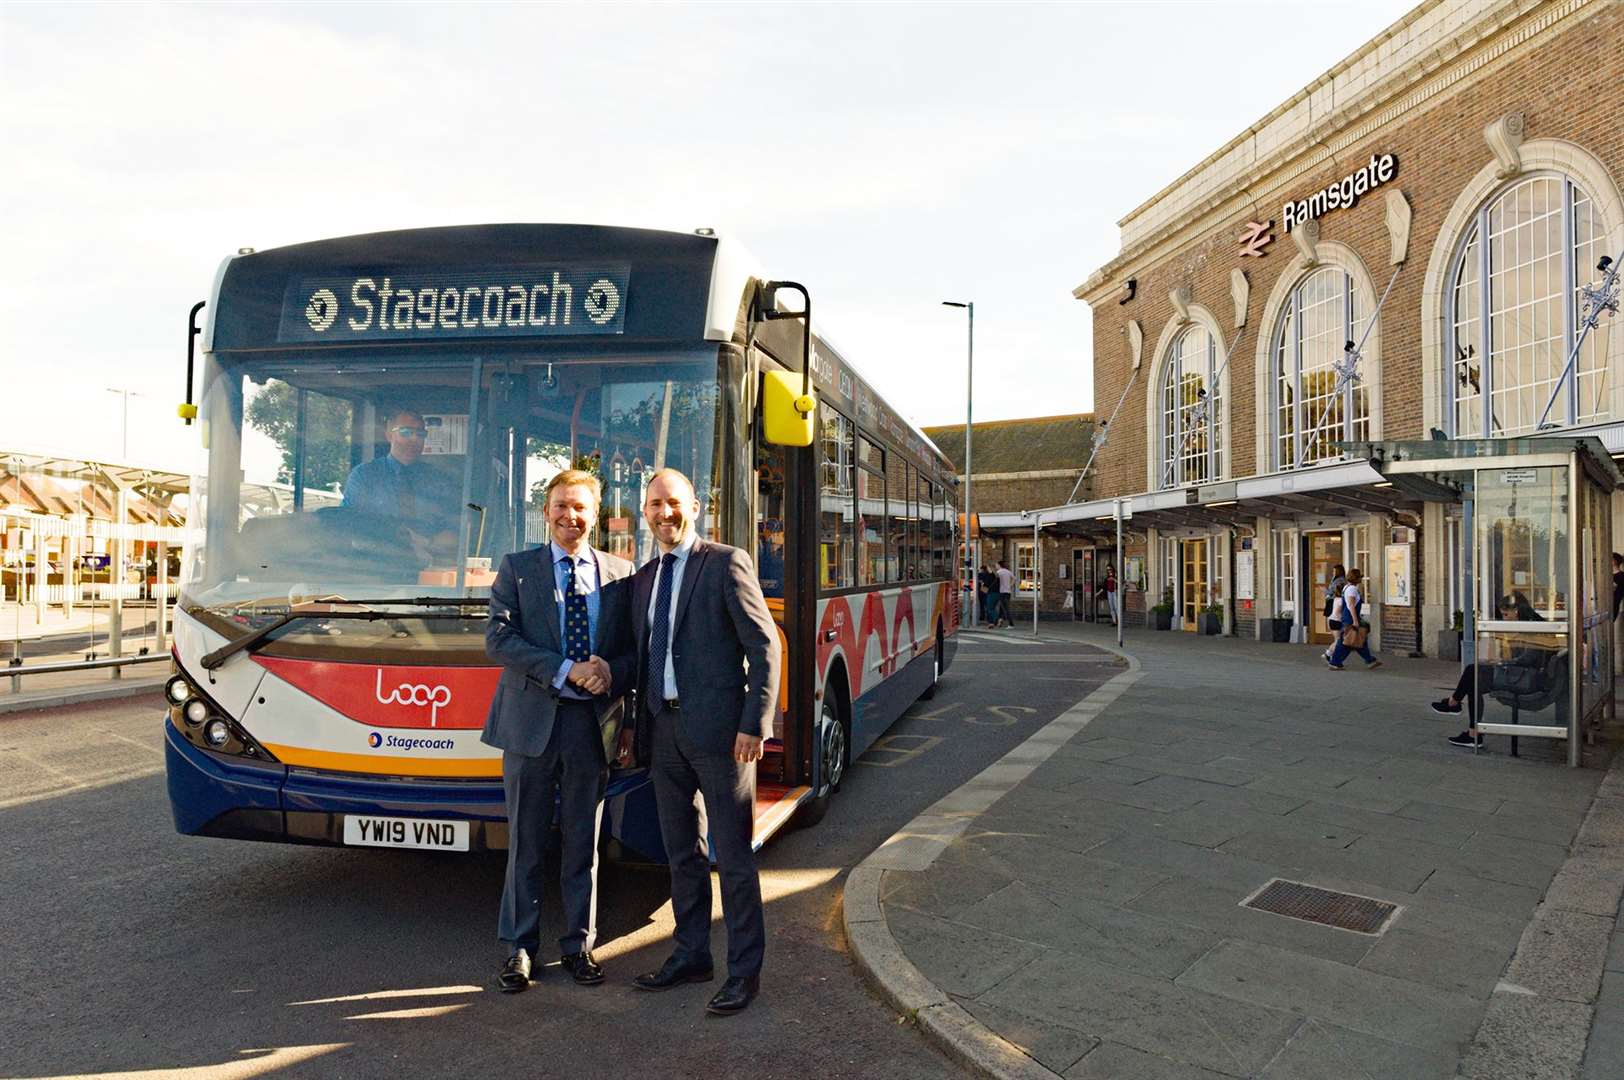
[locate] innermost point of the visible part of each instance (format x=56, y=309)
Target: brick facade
x=1425, y=92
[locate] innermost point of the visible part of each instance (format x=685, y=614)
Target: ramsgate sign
x=1345, y=192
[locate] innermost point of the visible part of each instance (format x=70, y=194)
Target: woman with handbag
x=1521, y=672
x=1333, y=604
x=1355, y=635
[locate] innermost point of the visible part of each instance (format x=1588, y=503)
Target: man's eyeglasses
x=412, y=432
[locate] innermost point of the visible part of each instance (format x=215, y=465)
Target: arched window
x=1325, y=311
x=1192, y=449
x=1536, y=243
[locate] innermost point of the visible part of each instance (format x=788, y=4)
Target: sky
x=890, y=156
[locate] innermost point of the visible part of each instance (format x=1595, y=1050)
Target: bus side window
x=770, y=519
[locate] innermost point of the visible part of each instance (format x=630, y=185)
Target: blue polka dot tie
x=577, y=627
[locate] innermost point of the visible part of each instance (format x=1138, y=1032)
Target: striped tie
x=659, y=633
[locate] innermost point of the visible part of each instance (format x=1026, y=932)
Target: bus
x=330, y=679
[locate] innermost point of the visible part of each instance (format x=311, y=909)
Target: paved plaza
x=1089, y=923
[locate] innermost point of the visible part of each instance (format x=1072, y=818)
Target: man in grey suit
x=556, y=612
x=708, y=671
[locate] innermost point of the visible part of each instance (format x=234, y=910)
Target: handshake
x=590, y=675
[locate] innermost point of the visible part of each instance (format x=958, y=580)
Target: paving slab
x=1561, y=955
x=1121, y=937
x=1367, y=1001
x=1470, y=967
x=962, y=960
x=1183, y=1024
x=1527, y=1038
x=1324, y=1051
x=1114, y=1061
x=1052, y=1045
x=1454, y=887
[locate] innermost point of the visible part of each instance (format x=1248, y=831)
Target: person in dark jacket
x=1478, y=679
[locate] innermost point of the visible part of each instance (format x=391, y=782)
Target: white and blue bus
x=330, y=678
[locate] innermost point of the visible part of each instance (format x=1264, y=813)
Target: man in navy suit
x=707, y=672
x=556, y=613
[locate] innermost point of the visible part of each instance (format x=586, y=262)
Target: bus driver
x=400, y=485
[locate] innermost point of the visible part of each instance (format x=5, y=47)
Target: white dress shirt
x=681, y=551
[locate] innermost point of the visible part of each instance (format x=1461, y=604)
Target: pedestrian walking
x=987, y=588
x=1355, y=635
x=1333, y=605
x=1006, y=587
x=1109, y=589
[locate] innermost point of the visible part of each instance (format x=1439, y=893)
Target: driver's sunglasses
x=412, y=432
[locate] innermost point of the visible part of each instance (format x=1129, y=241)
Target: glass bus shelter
x=1537, y=542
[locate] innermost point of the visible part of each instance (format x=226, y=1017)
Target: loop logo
x=374, y=740
x=420, y=694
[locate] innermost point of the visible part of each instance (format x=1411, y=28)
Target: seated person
x=1479, y=679
x=400, y=485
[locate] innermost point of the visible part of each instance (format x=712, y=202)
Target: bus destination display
x=426, y=304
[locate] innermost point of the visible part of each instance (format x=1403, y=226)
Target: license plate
x=405, y=833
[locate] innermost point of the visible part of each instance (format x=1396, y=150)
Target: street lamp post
x=972, y=548
x=126, y=393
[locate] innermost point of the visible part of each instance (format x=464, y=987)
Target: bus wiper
x=260, y=637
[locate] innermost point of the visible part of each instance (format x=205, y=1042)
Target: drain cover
x=1343, y=910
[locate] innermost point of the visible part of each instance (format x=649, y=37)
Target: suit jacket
x=724, y=648
x=523, y=636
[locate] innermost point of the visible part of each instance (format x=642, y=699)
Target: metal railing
x=16, y=673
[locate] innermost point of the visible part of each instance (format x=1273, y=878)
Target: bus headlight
x=217, y=733
x=178, y=690
x=197, y=711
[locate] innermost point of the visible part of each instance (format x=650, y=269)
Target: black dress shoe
x=515, y=973
x=675, y=972
x=582, y=968
x=736, y=993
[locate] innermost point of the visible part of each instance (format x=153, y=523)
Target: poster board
x=1399, y=575
x=1246, y=575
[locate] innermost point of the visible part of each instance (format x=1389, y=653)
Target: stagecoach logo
x=424, y=304
x=322, y=311
x=374, y=740
x=419, y=694
x=602, y=301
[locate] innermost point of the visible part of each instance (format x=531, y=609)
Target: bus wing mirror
x=786, y=413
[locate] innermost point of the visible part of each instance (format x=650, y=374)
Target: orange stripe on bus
x=472, y=768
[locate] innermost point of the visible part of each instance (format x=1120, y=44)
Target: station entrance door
x=1324, y=552
x=1195, y=582
x=1082, y=584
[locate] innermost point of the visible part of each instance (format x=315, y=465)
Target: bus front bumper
x=241, y=799
x=216, y=795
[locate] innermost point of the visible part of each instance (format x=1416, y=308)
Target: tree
x=328, y=423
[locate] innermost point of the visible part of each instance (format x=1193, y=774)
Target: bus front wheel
x=831, y=735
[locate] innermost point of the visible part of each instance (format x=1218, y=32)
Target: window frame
x=1354, y=323
x=1481, y=319
x=1170, y=407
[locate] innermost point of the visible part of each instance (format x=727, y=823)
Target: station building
x=1034, y=461
x=1465, y=164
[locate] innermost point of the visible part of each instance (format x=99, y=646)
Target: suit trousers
x=680, y=771
x=572, y=773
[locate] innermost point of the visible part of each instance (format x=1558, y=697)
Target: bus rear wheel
x=936, y=673
x=831, y=735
